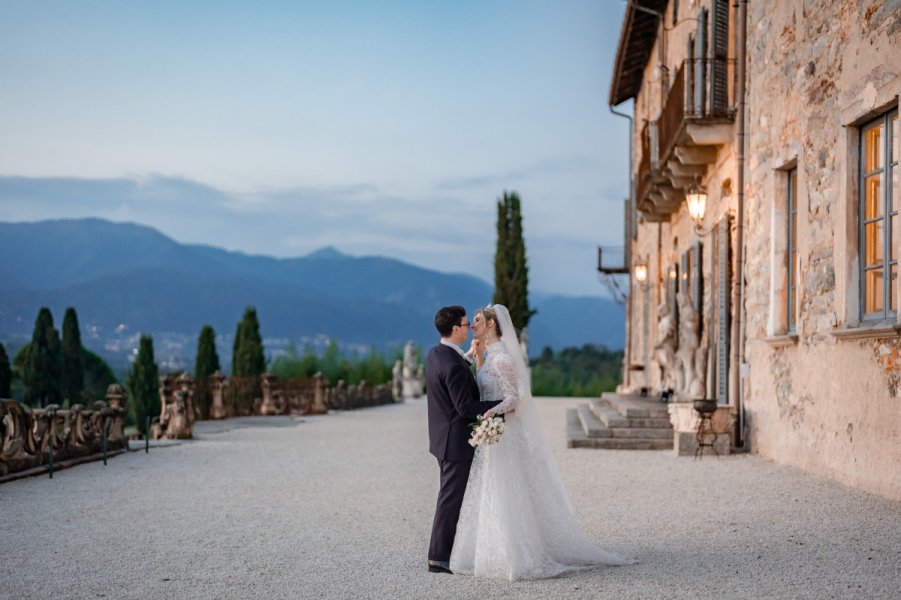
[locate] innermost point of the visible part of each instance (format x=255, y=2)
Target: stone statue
x=665, y=347
x=176, y=420
x=397, y=381
x=690, y=378
x=413, y=380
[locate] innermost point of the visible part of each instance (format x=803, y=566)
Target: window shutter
x=719, y=92
x=700, y=72
x=697, y=279
x=724, y=288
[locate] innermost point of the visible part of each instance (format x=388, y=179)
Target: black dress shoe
x=439, y=566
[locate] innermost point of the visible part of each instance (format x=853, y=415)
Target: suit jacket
x=453, y=403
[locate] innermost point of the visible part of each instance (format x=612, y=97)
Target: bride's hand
x=488, y=414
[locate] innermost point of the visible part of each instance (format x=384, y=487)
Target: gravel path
x=340, y=506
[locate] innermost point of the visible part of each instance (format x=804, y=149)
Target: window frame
x=791, y=251
x=888, y=217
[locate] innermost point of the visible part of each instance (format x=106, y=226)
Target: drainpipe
x=627, y=244
x=738, y=286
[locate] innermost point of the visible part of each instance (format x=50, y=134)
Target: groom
x=453, y=401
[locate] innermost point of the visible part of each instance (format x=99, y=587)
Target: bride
x=516, y=521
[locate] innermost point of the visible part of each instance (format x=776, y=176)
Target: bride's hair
x=488, y=314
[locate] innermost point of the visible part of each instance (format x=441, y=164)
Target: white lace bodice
x=497, y=378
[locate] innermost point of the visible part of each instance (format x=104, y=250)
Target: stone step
x=591, y=425
x=594, y=428
x=576, y=438
x=611, y=418
x=636, y=406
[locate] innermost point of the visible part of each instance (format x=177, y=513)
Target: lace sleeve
x=506, y=376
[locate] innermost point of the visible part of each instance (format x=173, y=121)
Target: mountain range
x=125, y=279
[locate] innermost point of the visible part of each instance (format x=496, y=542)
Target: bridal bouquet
x=486, y=431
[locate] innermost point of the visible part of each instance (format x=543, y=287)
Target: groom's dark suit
x=453, y=403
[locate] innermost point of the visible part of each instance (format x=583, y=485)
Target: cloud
x=549, y=167
x=437, y=229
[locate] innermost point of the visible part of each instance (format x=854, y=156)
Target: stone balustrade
x=26, y=436
x=272, y=395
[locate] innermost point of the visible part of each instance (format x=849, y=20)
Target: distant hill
x=126, y=278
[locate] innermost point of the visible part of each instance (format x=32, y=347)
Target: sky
x=279, y=127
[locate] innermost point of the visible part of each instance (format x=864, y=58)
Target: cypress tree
x=97, y=375
x=206, y=364
x=511, y=273
x=72, y=358
x=6, y=374
x=43, y=367
x=207, y=361
x=143, y=385
x=247, y=351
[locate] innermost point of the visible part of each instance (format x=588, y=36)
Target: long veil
x=539, y=450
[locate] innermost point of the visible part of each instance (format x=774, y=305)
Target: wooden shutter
x=724, y=290
x=719, y=91
x=697, y=278
x=700, y=72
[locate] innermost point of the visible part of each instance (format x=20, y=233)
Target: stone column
x=268, y=406
x=217, y=388
x=115, y=398
x=318, y=407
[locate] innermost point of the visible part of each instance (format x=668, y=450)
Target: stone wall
x=824, y=402
x=825, y=396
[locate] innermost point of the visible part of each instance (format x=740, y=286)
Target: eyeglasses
x=463, y=325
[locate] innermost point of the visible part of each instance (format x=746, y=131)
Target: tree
x=247, y=351
x=42, y=372
x=143, y=385
x=72, y=358
x=511, y=273
x=207, y=361
x=6, y=375
x=206, y=364
x=97, y=376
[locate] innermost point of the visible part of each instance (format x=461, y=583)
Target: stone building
x=776, y=124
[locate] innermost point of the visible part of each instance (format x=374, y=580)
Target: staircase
x=620, y=422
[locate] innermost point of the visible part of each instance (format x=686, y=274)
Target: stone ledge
x=880, y=330
x=782, y=341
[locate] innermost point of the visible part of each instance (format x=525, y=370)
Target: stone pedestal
x=685, y=443
x=685, y=420
x=268, y=407
x=217, y=407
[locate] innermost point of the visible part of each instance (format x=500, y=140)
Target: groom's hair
x=447, y=317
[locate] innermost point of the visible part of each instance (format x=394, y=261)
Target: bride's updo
x=488, y=314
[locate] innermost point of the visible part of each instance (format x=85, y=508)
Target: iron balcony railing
x=612, y=261
x=700, y=92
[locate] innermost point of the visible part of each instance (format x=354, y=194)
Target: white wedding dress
x=516, y=521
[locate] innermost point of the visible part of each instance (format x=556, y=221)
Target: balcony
x=676, y=149
x=612, y=261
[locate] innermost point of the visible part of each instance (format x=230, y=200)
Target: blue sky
x=277, y=128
